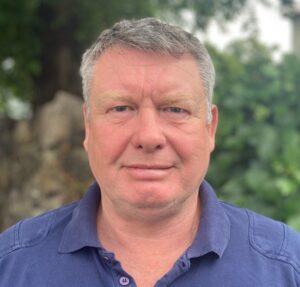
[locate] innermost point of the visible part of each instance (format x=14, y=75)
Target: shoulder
x=30, y=232
x=274, y=239
x=270, y=238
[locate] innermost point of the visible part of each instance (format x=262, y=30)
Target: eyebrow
x=192, y=101
x=178, y=98
x=112, y=95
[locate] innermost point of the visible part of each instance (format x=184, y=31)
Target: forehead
x=122, y=68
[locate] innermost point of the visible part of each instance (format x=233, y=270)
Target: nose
x=148, y=135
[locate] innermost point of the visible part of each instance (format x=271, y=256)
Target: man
x=150, y=219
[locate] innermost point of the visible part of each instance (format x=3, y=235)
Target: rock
x=43, y=164
x=59, y=120
x=22, y=133
x=77, y=164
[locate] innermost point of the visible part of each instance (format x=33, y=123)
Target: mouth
x=148, y=166
x=148, y=171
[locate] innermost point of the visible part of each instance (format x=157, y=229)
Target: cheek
x=195, y=162
x=106, y=144
x=192, y=146
x=194, y=153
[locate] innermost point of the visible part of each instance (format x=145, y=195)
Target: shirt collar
x=212, y=236
x=214, y=229
x=81, y=231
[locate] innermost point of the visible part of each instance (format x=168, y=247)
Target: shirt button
x=124, y=281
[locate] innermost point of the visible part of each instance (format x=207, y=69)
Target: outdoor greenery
x=257, y=158
x=42, y=40
x=256, y=163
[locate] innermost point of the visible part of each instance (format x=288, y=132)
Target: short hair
x=150, y=35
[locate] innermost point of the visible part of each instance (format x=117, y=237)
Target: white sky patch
x=274, y=30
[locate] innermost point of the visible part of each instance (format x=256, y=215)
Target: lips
x=148, y=166
x=148, y=171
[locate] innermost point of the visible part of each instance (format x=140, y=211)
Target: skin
x=147, y=137
x=148, y=144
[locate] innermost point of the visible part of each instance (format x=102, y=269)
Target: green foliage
x=45, y=38
x=204, y=10
x=256, y=161
x=19, y=47
x=33, y=29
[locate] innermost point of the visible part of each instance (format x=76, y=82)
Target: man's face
x=147, y=136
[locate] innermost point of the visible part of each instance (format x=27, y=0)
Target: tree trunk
x=60, y=56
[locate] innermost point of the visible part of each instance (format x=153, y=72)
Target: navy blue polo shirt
x=233, y=247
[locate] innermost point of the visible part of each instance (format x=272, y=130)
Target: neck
x=148, y=246
x=151, y=232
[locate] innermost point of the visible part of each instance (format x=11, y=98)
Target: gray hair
x=150, y=35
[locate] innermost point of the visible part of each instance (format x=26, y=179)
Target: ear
x=86, y=126
x=212, y=126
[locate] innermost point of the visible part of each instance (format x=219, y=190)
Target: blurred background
x=255, y=46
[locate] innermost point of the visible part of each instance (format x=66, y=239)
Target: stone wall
x=42, y=162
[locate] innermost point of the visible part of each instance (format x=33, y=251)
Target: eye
x=120, y=109
x=120, y=112
x=175, y=113
x=175, y=110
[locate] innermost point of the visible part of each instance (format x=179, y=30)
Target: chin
x=151, y=204
x=154, y=200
